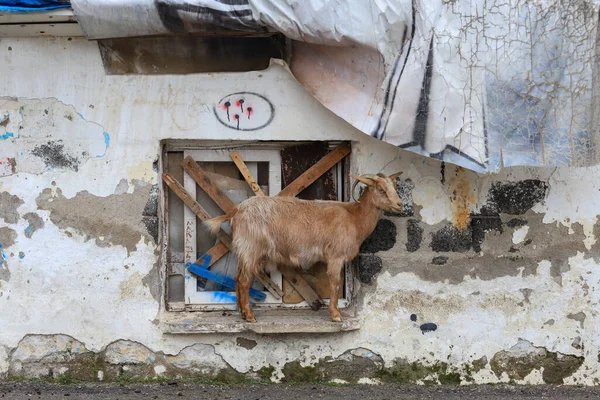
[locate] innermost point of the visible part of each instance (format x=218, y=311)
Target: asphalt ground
x=35, y=390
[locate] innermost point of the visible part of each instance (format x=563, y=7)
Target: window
x=274, y=166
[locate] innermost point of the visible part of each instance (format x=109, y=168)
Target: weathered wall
x=480, y=279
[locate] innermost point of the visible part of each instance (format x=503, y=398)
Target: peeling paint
x=8, y=207
x=47, y=139
x=520, y=234
x=35, y=222
x=111, y=220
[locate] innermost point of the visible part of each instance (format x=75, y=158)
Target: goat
x=300, y=233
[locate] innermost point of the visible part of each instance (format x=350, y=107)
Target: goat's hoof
x=336, y=317
x=251, y=320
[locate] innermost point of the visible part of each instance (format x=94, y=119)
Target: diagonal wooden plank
x=222, y=247
x=315, y=172
x=203, y=180
x=183, y=194
x=241, y=165
x=298, y=282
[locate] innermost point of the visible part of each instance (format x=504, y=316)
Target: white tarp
x=479, y=83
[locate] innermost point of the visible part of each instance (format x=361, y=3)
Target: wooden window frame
x=251, y=152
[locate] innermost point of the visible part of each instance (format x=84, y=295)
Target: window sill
x=271, y=321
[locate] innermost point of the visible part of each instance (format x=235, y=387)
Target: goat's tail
x=214, y=224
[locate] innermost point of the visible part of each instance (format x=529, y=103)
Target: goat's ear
x=394, y=176
x=362, y=179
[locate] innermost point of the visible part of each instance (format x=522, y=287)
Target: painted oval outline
x=271, y=109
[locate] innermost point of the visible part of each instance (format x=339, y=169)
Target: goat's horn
x=353, y=189
x=394, y=176
x=366, y=179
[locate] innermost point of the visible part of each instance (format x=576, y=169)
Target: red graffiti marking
x=240, y=104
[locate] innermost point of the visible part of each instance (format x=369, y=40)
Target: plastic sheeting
x=31, y=5
x=479, y=83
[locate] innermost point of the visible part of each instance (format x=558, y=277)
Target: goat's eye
x=381, y=191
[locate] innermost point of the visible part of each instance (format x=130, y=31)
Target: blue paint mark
x=21, y=153
x=7, y=135
x=29, y=231
x=224, y=297
x=106, y=143
x=187, y=278
x=152, y=358
x=80, y=115
x=21, y=255
x=3, y=257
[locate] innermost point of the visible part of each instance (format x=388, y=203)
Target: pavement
x=36, y=390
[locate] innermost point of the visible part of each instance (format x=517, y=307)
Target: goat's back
x=288, y=230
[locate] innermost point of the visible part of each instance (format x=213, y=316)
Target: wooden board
x=203, y=180
x=221, y=248
x=295, y=160
x=314, y=172
x=241, y=165
x=317, y=279
x=292, y=276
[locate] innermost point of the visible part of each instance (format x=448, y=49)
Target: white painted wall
x=65, y=284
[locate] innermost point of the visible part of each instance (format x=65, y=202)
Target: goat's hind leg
x=244, y=281
x=237, y=292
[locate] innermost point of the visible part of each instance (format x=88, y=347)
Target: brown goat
x=300, y=233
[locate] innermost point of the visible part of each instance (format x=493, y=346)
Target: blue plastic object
x=202, y=270
x=31, y=5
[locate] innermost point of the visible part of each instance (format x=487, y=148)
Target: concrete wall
x=481, y=279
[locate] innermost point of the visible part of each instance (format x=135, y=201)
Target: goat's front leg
x=237, y=292
x=334, y=272
x=244, y=281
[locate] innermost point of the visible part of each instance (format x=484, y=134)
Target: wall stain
x=579, y=317
x=414, y=235
x=369, y=266
x=428, y=327
x=462, y=198
x=7, y=237
x=515, y=198
x=404, y=189
x=516, y=223
x=439, y=260
x=247, y=344
x=111, y=220
x=523, y=358
x=383, y=237
x=53, y=155
x=8, y=207
x=35, y=223
x=451, y=239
